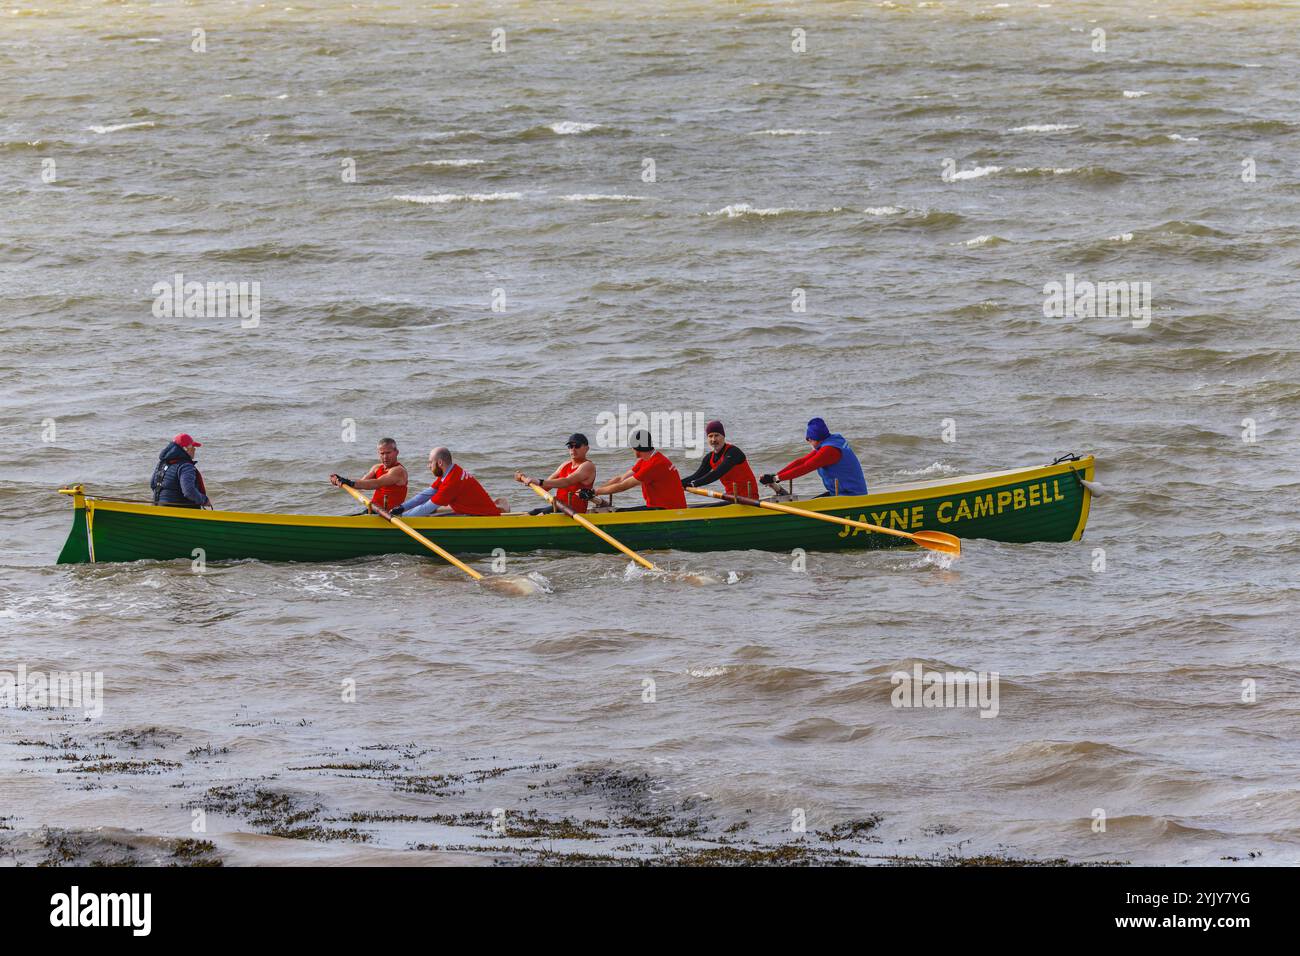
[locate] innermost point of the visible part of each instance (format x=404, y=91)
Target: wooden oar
x=582, y=520
x=934, y=540
x=398, y=522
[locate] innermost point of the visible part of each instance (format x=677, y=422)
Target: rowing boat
x=1036, y=503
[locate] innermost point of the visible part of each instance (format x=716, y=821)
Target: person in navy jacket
x=176, y=481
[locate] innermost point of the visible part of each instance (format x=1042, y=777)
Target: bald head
x=439, y=461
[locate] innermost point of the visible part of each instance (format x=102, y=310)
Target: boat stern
x=77, y=549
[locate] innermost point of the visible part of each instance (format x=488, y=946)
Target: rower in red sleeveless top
x=566, y=481
x=388, y=478
x=725, y=463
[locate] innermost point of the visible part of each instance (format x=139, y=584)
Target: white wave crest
x=745, y=209
x=882, y=210
x=452, y=162
x=459, y=197
x=601, y=197
x=790, y=132
x=937, y=468
x=1134, y=94
x=1043, y=128
x=570, y=128
x=113, y=129
x=976, y=173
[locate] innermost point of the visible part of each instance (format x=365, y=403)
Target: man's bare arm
x=584, y=475
x=615, y=486
x=397, y=476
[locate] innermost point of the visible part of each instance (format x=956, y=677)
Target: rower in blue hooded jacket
x=176, y=481
x=831, y=457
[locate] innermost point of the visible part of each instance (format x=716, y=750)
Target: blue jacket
x=176, y=479
x=847, y=470
x=418, y=505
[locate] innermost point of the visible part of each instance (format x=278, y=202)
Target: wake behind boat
x=1034, y=503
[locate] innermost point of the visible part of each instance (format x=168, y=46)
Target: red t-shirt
x=461, y=492
x=661, y=485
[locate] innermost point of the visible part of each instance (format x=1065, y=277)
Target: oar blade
x=938, y=541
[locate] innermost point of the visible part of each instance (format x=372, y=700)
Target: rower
x=661, y=485
x=831, y=457
x=725, y=463
x=388, y=478
x=453, y=488
x=569, y=479
x=176, y=480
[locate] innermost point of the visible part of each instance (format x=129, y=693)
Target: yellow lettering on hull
x=949, y=511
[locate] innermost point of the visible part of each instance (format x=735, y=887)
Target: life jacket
x=738, y=479
x=569, y=495
x=166, y=480
x=388, y=496
x=845, y=477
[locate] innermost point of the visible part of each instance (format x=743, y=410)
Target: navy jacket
x=176, y=480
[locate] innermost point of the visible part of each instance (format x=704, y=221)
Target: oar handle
x=555, y=501
x=398, y=523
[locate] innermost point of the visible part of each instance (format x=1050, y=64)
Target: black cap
x=576, y=440
x=641, y=440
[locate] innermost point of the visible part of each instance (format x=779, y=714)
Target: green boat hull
x=1046, y=503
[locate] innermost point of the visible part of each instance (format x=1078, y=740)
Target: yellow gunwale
x=891, y=494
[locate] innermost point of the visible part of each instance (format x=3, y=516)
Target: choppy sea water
x=920, y=171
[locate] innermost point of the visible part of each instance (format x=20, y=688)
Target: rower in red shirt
x=388, y=478
x=661, y=485
x=566, y=481
x=453, y=488
x=725, y=463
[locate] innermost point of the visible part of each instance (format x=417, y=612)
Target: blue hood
x=173, y=452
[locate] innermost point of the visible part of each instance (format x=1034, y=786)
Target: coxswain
x=831, y=458
x=453, y=488
x=661, y=485
x=176, y=481
x=569, y=479
x=388, y=478
x=725, y=463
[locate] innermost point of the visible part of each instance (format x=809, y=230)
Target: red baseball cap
x=185, y=441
